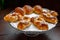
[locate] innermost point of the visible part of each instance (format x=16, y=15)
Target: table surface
x=9, y=33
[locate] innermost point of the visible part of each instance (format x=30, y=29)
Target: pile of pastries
x=19, y=13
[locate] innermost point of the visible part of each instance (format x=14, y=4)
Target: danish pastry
x=53, y=13
x=50, y=18
x=47, y=14
x=28, y=9
x=23, y=25
x=41, y=26
x=38, y=9
x=11, y=18
x=20, y=11
x=39, y=23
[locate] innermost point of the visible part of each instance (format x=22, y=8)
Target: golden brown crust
x=39, y=23
x=11, y=18
x=41, y=26
x=53, y=13
x=23, y=25
x=26, y=18
x=37, y=9
x=20, y=17
x=6, y=18
x=28, y=9
x=41, y=18
x=20, y=11
x=51, y=19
